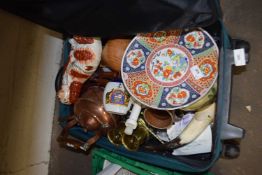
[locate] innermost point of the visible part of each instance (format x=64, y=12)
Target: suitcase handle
x=229, y=131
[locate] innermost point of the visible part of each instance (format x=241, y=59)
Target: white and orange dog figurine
x=84, y=58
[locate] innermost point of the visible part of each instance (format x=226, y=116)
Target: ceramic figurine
x=84, y=58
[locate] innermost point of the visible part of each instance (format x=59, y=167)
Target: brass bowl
x=133, y=142
x=115, y=135
x=159, y=119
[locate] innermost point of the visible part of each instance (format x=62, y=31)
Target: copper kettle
x=91, y=116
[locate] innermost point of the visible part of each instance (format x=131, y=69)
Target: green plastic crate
x=99, y=155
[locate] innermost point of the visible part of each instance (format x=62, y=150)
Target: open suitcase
x=120, y=19
x=222, y=130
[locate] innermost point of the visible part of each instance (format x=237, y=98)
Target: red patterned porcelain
x=170, y=69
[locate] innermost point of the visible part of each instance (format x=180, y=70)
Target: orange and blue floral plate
x=170, y=69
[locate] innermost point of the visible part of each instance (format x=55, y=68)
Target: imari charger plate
x=170, y=69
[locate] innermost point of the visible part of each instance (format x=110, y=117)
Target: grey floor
x=244, y=20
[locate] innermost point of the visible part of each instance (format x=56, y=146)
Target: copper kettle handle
x=76, y=144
